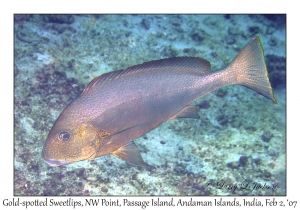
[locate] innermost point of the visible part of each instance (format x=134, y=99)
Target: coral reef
x=240, y=137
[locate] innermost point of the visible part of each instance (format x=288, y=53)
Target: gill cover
x=66, y=147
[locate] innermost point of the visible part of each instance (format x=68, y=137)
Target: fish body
x=118, y=107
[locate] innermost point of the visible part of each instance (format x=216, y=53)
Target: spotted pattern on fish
x=118, y=107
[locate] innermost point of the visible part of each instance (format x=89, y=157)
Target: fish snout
x=55, y=162
x=50, y=161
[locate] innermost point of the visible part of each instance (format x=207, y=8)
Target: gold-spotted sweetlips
x=118, y=107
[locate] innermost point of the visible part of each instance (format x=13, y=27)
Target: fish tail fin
x=251, y=71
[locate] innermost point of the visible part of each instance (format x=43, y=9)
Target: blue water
x=239, y=140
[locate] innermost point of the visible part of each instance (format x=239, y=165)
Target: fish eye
x=64, y=136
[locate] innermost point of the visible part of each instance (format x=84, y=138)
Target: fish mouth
x=55, y=162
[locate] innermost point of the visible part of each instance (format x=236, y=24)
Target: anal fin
x=131, y=154
x=187, y=112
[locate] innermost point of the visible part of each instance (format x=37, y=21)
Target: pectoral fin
x=187, y=112
x=131, y=154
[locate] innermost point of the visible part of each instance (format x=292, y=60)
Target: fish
x=117, y=107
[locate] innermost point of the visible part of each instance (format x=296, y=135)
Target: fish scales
x=120, y=106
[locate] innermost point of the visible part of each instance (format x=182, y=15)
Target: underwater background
x=239, y=140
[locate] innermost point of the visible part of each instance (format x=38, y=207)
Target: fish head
x=67, y=144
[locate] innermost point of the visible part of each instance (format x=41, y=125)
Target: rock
x=61, y=28
x=221, y=93
x=254, y=30
x=257, y=161
x=204, y=105
x=104, y=189
x=67, y=19
x=146, y=23
x=243, y=161
x=266, y=174
x=21, y=17
x=267, y=135
x=232, y=165
x=272, y=42
x=197, y=37
x=230, y=40
x=277, y=70
x=227, y=16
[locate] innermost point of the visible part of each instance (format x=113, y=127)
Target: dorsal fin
x=175, y=65
x=91, y=84
x=100, y=79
